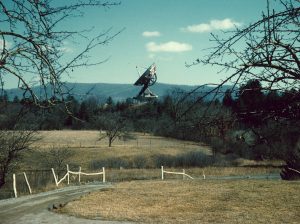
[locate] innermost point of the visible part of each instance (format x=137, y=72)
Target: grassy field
x=151, y=200
x=242, y=201
x=147, y=199
x=87, y=147
x=142, y=150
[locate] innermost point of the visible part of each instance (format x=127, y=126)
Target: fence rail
x=79, y=173
x=176, y=173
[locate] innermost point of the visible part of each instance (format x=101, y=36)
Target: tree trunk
x=2, y=179
x=110, y=140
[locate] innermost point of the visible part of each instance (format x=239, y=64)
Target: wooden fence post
x=79, y=174
x=28, y=185
x=103, y=170
x=14, y=185
x=55, y=178
x=162, y=172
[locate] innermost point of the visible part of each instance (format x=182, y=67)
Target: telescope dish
x=148, y=78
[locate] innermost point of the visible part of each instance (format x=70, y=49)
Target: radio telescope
x=148, y=78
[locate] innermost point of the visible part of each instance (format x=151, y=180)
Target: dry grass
x=90, y=139
x=244, y=201
x=87, y=148
x=117, y=175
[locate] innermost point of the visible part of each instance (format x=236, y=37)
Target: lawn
x=174, y=201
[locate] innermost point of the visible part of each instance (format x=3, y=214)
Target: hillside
x=118, y=92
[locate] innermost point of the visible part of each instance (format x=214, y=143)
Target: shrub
x=292, y=168
x=110, y=163
x=190, y=159
x=140, y=162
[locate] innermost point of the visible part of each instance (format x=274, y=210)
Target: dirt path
x=34, y=209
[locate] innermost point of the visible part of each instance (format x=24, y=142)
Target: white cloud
x=151, y=34
x=224, y=24
x=170, y=46
x=66, y=49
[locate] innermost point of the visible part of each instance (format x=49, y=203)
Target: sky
x=168, y=33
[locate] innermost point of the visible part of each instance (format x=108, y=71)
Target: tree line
x=250, y=123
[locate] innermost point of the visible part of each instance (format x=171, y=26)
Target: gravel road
x=34, y=209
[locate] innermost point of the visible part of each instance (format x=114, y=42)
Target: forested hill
x=118, y=92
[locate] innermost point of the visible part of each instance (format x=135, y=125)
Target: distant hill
x=118, y=92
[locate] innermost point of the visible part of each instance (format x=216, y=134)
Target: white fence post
x=28, y=185
x=14, y=185
x=68, y=174
x=203, y=174
x=177, y=173
x=183, y=176
x=79, y=174
x=55, y=178
x=103, y=170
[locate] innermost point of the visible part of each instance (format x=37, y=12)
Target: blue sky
x=167, y=32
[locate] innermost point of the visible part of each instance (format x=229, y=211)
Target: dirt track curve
x=34, y=209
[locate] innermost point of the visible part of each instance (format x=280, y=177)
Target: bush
x=163, y=160
x=193, y=159
x=110, y=163
x=190, y=159
x=140, y=162
x=217, y=145
x=292, y=167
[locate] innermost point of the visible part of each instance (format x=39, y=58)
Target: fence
x=176, y=173
x=15, y=184
x=26, y=182
x=79, y=173
x=66, y=176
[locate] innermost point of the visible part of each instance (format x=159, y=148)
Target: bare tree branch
x=31, y=40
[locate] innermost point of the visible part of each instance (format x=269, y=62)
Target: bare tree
x=114, y=127
x=55, y=157
x=12, y=145
x=267, y=50
x=32, y=37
